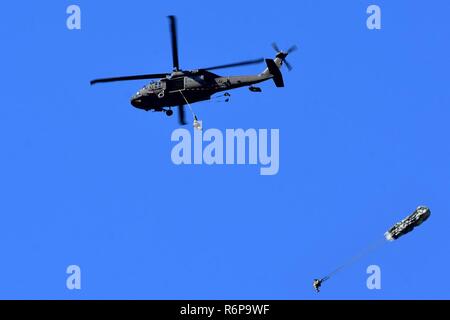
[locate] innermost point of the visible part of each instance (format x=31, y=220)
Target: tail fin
x=274, y=70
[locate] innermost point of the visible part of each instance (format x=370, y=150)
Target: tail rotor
x=283, y=54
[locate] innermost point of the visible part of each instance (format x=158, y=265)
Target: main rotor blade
x=127, y=78
x=173, y=35
x=236, y=64
x=181, y=118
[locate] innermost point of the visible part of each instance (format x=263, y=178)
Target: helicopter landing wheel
x=169, y=113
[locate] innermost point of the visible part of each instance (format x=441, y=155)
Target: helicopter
x=183, y=87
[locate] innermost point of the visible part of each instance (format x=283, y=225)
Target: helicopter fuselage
x=189, y=88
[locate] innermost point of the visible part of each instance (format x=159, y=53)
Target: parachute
x=401, y=228
x=407, y=225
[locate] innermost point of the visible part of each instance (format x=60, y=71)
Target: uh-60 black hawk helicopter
x=181, y=87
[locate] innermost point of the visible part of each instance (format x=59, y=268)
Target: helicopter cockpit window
x=153, y=85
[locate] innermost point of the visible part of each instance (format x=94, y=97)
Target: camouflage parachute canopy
x=405, y=226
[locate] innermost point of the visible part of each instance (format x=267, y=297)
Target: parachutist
x=316, y=284
x=197, y=124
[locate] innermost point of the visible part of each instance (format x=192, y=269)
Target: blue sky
x=86, y=179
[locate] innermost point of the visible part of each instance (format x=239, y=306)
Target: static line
x=189, y=105
x=375, y=245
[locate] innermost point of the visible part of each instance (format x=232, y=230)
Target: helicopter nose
x=136, y=101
